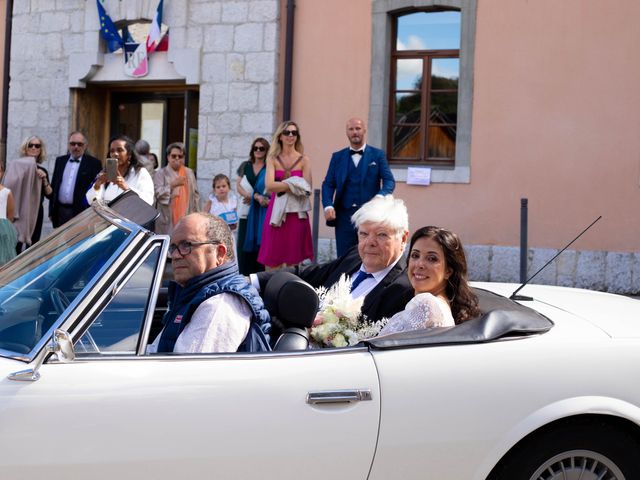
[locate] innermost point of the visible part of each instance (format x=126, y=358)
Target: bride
x=437, y=271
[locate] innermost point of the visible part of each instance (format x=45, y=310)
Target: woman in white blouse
x=131, y=174
x=437, y=271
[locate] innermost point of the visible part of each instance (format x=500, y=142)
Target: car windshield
x=37, y=286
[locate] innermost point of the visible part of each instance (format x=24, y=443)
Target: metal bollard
x=524, y=213
x=316, y=223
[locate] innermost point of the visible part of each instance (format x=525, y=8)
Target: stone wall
x=228, y=48
x=613, y=272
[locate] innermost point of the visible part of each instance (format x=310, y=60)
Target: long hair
x=276, y=143
x=42, y=156
x=464, y=303
x=129, y=146
x=265, y=144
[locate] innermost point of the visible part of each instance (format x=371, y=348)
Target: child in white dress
x=223, y=203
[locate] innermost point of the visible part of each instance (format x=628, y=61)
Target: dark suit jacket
x=88, y=171
x=378, y=179
x=390, y=296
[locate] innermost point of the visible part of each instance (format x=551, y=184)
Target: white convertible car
x=535, y=390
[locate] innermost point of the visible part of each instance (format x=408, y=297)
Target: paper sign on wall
x=418, y=176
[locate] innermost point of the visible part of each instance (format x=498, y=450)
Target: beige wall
x=556, y=117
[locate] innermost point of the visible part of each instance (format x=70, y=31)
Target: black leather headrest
x=292, y=300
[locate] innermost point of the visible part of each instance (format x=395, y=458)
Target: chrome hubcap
x=578, y=465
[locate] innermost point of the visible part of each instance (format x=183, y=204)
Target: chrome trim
x=163, y=357
x=155, y=288
x=123, y=270
x=338, y=396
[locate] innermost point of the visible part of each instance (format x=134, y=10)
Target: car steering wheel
x=59, y=300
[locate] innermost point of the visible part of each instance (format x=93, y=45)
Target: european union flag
x=108, y=30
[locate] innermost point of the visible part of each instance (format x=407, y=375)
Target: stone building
x=214, y=88
x=521, y=100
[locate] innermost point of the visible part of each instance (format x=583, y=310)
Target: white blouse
x=140, y=182
x=423, y=311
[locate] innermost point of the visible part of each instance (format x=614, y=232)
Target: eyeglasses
x=290, y=133
x=184, y=247
x=76, y=144
x=34, y=145
x=259, y=149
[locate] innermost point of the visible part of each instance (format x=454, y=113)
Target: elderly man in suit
x=355, y=175
x=73, y=174
x=375, y=267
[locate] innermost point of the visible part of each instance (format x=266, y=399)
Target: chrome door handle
x=338, y=396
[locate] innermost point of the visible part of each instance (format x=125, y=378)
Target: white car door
x=114, y=413
x=233, y=416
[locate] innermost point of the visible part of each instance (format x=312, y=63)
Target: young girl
x=222, y=201
x=8, y=238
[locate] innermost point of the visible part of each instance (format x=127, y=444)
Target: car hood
x=616, y=315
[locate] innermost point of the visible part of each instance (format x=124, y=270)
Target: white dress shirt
x=140, y=182
x=219, y=324
x=65, y=196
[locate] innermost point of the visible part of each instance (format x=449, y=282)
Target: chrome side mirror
x=60, y=344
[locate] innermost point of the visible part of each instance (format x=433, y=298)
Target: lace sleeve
x=423, y=311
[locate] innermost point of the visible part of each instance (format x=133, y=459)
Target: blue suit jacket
x=377, y=180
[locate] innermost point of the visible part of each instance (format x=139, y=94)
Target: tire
x=593, y=450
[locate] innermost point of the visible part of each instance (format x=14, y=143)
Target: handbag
x=243, y=208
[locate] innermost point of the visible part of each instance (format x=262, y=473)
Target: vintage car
x=533, y=389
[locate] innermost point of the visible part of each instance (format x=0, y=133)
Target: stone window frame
x=383, y=16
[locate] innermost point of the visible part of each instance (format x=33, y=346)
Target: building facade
x=496, y=100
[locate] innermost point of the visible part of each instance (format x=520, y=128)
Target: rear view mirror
x=60, y=344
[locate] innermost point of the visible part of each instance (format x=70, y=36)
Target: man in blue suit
x=356, y=174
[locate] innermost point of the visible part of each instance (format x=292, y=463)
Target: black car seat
x=292, y=304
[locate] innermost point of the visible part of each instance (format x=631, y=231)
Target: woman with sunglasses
x=286, y=240
x=252, y=174
x=28, y=180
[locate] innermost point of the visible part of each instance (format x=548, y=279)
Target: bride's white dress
x=423, y=311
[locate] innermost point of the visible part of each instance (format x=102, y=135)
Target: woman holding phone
x=125, y=173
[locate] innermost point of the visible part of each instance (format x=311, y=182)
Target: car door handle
x=338, y=396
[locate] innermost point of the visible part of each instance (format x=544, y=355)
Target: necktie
x=362, y=275
x=355, y=152
x=75, y=160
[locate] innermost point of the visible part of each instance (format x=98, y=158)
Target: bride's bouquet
x=337, y=323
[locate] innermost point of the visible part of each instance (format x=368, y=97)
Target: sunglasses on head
x=290, y=133
x=259, y=149
x=34, y=145
x=76, y=144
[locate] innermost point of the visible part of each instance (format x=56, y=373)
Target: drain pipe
x=288, y=61
x=5, y=90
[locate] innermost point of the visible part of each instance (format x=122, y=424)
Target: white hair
x=386, y=210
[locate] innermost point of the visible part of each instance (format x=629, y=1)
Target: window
x=425, y=70
x=116, y=330
x=421, y=99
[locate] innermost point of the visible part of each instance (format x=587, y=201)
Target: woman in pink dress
x=289, y=243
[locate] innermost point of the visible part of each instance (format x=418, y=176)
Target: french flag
x=154, y=37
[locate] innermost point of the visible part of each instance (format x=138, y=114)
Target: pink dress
x=289, y=243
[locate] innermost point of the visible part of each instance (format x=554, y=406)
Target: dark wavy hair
x=265, y=144
x=464, y=303
x=130, y=147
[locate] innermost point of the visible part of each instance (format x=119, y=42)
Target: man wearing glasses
x=211, y=306
x=73, y=174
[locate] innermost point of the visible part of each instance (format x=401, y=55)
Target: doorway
x=160, y=115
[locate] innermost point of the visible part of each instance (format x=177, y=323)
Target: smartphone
x=112, y=169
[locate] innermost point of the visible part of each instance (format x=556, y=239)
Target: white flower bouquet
x=337, y=323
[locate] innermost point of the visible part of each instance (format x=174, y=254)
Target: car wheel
x=580, y=451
